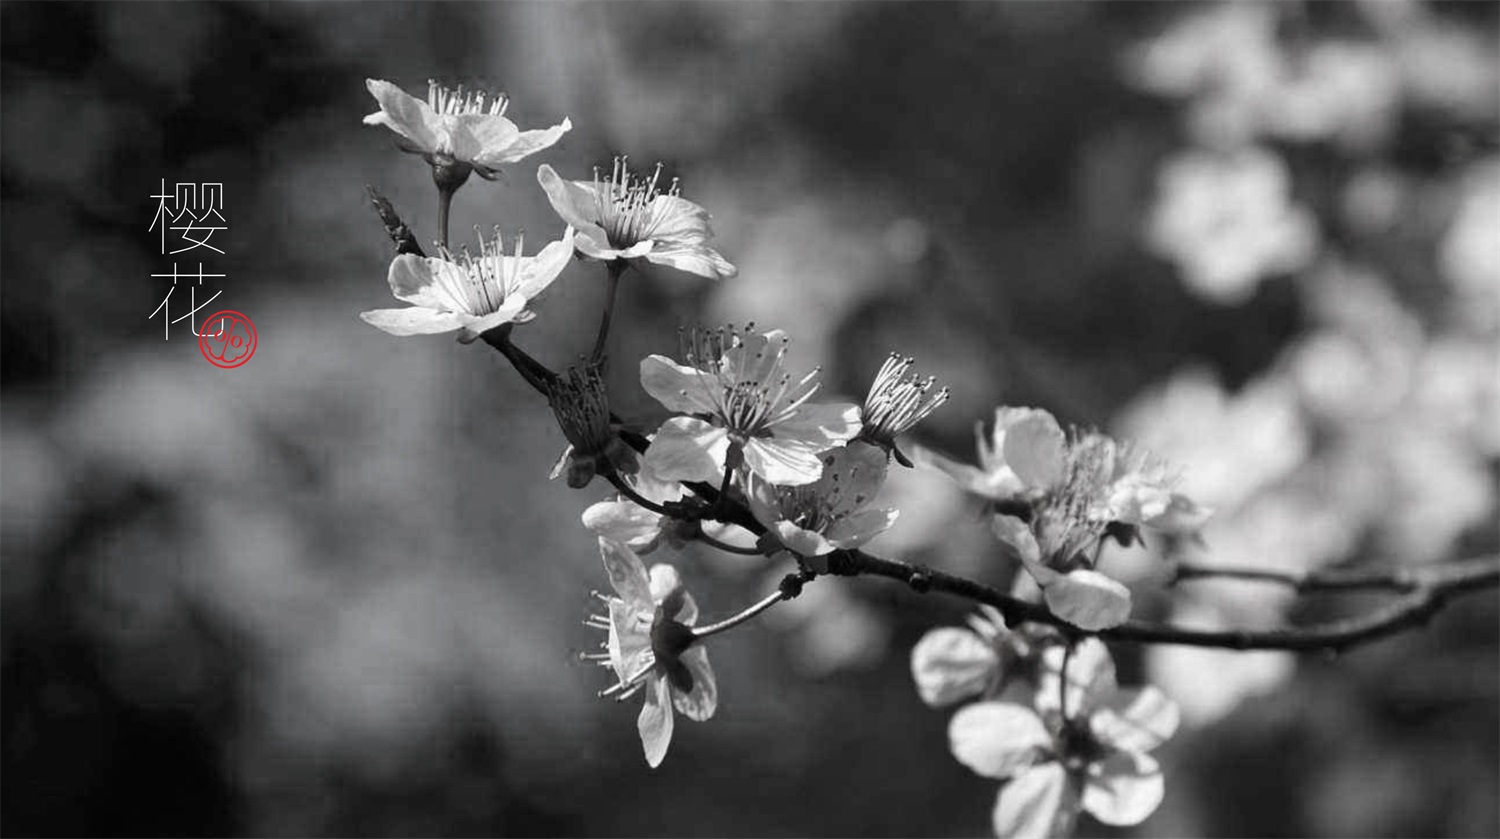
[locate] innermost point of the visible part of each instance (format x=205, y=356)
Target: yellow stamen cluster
x=624, y=203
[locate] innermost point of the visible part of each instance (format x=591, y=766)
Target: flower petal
x=1135, y=720
x=1183, y=516
x=950, y=664
x=855, y=529
x=1016, y=535
x=997, y=739
x=1123, y=789
x=1087, y=599
x=801, y=541
x=1039, y=802
x=783, y=462
x=694, y=259
x=655, y=721
x=857, y=471
x=677, y=221
x=688, y=449
x=624, y=521
x=1091, y=678
x=1034, y=445
x=822, y=425
x=405, y=114
x=678, y=387
x=416, y=320
x=576, y=203
x=522, y=144
x=474, y=136
x=538, y=272
x=664, y=581
x=998, y=485
x=629, y=640
x=509, y=311
x=700, y=703
x=419, y=280
x=627, y=575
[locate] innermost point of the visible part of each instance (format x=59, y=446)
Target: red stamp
x=227, y=339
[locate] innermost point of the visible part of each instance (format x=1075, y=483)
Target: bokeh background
x=332, y=592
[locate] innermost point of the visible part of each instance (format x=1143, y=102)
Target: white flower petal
x=627, y=575
x=855, y=529
x=1091, y=678
x=1135, y=720
x=677, y=221
x=997, y=739
x=655, y=721
x=539, y=271
x=801, y=541
x=510, y=310
x=416, y=320
x=576, y=204
x=693, y=259
x=405, y=114
x=521, y=144
x=1123, y=789
x=688, y=449
x=700, y=703
x=678, y=387
x=664, y=581
x=821, y=426
x=629, y=639
x=950, y=664
x=783, y=462
x=1016, y=534
x=1087, y=599
x=418, y=280
x=623, y=521
x=998, y=485
x=473, y=136
x=1039, y=802
x=1034, y=445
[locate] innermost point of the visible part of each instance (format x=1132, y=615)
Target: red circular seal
x=227, y=339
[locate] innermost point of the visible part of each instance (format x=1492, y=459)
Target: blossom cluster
x=748, y=461
x=1049, y=721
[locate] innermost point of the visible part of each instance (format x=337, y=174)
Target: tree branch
x=1426, y=589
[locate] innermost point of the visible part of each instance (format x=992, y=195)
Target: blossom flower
x=985, y=659
x=458, y=126
x=580, y=402
x=1085, y=747
x=1229, y=221
x=896, y=403
x=746, y=401
x=1056, y=498
x=828, y=514
x=651, y=647
x=626, y=217
x=473, y=294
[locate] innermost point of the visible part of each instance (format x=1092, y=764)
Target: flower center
x=898, y=401
x=484, y=281
x=624, y=203
x=752, y=391
x=457, y=101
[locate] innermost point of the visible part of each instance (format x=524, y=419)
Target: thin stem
x=1335, y=579
x=726, y=547
x=629, y=492
x=445, y=200
x=1062, y=681
x=614, y=268
x=701, y=632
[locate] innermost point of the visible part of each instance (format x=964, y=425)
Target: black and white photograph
x=724, y=418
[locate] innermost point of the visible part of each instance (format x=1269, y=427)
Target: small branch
x=445, y=201
x=1339, y=579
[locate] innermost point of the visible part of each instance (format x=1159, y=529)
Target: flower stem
x=629, y=492
x=445, y=199
x=701, y=632
x=614, y=268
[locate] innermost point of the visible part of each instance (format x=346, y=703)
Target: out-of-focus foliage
x=331, y=593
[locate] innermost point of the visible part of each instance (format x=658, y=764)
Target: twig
x=400, y=234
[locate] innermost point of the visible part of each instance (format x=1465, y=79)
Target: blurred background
x=332, y=593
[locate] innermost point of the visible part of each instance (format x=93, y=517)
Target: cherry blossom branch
x=1431, y=588
x=1427, y=589
x=1405, y=579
